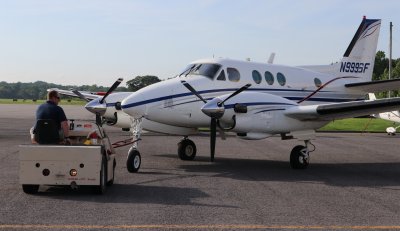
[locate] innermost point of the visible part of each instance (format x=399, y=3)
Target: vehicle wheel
x=30, y=188
x=134, y=160
x=111, y=182
x=186, y=149
x=101, y=189
x=299, y=157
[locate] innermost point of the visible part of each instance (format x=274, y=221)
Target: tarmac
x=352, y=183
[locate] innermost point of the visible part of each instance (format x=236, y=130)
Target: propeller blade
x=213, y=137
x=112, y=88
x=98, y=119
x=236, y=92
x=191, y=89
x=76, y=92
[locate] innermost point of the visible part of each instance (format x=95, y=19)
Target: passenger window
x=233, y=74
x=269, y=77
x=281, y=79
x=317, y=82
x=256, y=77
x=221, y=76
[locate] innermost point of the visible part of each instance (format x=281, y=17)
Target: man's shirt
x=50, y=110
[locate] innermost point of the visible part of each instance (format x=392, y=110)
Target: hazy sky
x=95, y=42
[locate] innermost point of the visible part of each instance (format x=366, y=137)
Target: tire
x=101, y=188
x=134, y=160
x=111, y=182
x=297, y=158
x=186, y=149
x=30, y=188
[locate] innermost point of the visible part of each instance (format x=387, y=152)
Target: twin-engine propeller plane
x=255, y=100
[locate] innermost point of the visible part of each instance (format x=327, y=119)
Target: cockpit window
x=187, y=69
x=221, y=76
x=206, y=69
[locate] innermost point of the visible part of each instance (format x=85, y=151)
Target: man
x=51, y=110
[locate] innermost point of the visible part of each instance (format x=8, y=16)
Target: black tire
x=101, y=188
x=111, y=182
x=297, y=159
x=30, y=188
x=186, y=149
x=134, y=160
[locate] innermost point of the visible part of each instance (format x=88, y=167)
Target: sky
x=86, y=42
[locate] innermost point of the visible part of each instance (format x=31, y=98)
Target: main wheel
x=30, y=188
x=299, y=157
x=101, y=188
x=186, y=149
x=134, y=160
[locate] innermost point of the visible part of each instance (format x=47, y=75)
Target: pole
x=390, y=53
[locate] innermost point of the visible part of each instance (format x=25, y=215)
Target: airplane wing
x=342, y=110
x=375, y=86
x=87, y=95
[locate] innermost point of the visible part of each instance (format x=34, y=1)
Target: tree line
x=38, y=90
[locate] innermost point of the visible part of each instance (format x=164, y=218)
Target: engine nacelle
x=265, y=115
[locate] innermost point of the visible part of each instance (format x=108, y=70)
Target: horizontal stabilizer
x=375, y=86
x=342, y=110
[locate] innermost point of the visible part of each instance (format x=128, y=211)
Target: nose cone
x=95, y=107
x=134, y=105
x=213, y=108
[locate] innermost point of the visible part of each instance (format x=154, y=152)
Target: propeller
x=215, y=110
x=111, y=89
x=97, y=106
x=76, y=92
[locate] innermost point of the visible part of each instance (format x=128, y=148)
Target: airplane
x=257, y=100
x=393, y=116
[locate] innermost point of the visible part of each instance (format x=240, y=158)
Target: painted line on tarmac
x=245, y=227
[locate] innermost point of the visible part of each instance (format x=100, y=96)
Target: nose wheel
x=134, y=160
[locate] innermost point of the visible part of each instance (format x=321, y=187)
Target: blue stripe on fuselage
x=234, y=89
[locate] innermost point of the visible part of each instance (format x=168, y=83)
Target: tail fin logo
x=366, y=28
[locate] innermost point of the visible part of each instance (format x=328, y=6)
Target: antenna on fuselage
x=271, y=58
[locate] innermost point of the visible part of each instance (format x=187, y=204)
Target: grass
x=358, y=125
x=40, y=101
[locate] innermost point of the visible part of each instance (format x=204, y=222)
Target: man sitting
x=50, y=111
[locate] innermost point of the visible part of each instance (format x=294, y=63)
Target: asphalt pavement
x=352, y=183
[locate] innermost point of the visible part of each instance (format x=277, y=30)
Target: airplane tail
x=359, y=58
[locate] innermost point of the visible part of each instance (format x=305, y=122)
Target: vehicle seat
x=46, y=132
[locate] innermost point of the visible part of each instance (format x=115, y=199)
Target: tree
x=141, y=81
x=381, y=63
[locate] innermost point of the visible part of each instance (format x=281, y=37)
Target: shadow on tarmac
x=124, y=193
x=336, y=174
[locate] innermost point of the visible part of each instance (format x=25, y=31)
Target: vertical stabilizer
x=359, y=58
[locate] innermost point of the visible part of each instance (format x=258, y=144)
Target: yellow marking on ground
x=245, y=227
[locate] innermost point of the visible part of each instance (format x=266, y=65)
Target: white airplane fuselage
x=169, y=102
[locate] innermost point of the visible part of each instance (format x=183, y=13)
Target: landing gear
x=300, y=156
x=134, y=160
x=186, y=149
